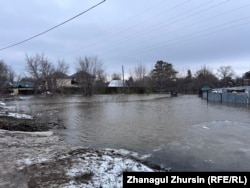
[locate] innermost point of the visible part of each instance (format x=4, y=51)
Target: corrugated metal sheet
x=116, y=83
x=230, y=97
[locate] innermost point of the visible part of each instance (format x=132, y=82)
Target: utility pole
x=122, y=79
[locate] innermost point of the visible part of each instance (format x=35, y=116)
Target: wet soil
x=41, y=159
x=33, y=157
x=27, y=125
x=15, y=124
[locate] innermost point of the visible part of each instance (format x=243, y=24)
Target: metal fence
x=242, y=98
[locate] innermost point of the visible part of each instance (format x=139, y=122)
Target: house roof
x=81, y=74
x=60, y=75
x=116, y=83
x=23, y=85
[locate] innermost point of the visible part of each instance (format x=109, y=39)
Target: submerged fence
x=241, y=97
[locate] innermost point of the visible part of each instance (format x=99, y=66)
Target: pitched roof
x=116, y=83
x=60, y=75
x=81, y=74
x=23, y=85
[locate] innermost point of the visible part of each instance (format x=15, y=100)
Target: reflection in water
x=184, y=133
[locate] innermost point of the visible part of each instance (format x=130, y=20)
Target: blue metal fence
x=241, y=97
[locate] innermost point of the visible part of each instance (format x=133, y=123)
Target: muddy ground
x=18, y=124
x=31, y=156
x=33, y=124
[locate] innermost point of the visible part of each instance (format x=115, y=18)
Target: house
x=246, y=82
x=80, y=81
x=61, y=79
x=23, y=88
x=57, y=82
x=117, y=86
x=82, y=78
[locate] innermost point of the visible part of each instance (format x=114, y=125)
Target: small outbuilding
x=23, y=88
x=117, y=86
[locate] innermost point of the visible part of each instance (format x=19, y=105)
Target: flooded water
x=184, y=133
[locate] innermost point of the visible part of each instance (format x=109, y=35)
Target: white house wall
x=61, y=82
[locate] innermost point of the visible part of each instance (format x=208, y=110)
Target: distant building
x=82, y=78
x=117, y=86
x=246, y=82
x=61, y=80
x=23, y=88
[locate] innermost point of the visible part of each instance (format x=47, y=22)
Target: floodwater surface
x=184, y=133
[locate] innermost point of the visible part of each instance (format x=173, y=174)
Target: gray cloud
x=188, y=34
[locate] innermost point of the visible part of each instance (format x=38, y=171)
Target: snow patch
x=16, y=115
x=35, y=153
x=106, y=169
x=22, y=163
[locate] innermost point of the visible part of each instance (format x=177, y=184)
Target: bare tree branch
x=90, y=69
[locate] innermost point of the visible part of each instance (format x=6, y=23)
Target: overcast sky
x=187, y=33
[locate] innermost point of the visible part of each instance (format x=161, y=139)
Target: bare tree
x=140, y=72
x=204, y=73
x=41, y=69
x=60, y=78
x=11, y=74
x=89, y=70
x=62, y=67
x=206, y=76
x=33, y=64
x=226, y=73
x=3, y=73
x=47, y=69
x=116, y=76
x=6, y=76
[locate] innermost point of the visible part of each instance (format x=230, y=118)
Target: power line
x=210, y=18
x=39, y=34
x=137, y=24
x=197, y=34
x=152, y=18
x=210, y=30
x=174, y=21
